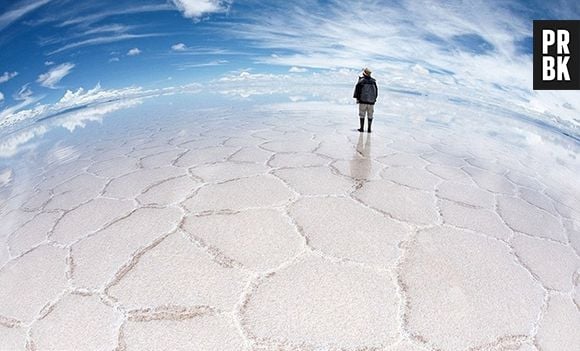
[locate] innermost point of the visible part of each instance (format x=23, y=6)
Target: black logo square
x=557, y=55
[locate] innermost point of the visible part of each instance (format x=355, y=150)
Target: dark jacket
x=366, y=90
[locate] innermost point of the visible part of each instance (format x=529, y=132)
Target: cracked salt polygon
x=488, y=165
x=554, y=264
x=4, y=254
x=203, y=143
x=132, y=184
x=559, y=328
x=37, y=200
x=344, y=228
x=403, y=159
x=443, y=159
x=336, y=150
x=208, y=155
x=405, y=144
x=491, y=181
x=77, y=323
x=523, y=180
x=538, y=199
x=200, y=333
x=413, y=177
x=304, y=145
x=477, y=219
x=151, y=150
x=573, y=231
x=359, y=168
x=314, y=303
x=222, y=171
x=31, y=281
x=297, y=159
x=315, y=180
x=406, y=346
x=162, y=159
x=460, y=281
x=178, y=273
x=75, y=191
x=566, y=198
x=169, y=191
x=259, y=239
x=55, y=176
x=88, y=218
x=11, y=221
x=98, y=257
x=114, y=167
x=401, y=202
x=259, y=191
x=466, y=193
x=12, y=338
x=252, y=154
x=526, y=218
x=32, y=233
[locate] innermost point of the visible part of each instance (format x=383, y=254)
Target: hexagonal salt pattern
x=289, y=232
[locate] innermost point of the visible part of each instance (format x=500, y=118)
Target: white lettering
x=563, y=40
x=548, y=39
x=563, y=73
x=548, y=70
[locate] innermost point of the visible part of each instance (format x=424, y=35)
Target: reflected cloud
x=21, y=140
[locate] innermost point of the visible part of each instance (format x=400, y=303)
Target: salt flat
x=279, y=227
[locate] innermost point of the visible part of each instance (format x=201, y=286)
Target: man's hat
x=367, y=71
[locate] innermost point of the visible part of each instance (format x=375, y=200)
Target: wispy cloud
x=24, y=94
x=103, y=40
x=98, y=16
x=133, y=52
x=19, y=10
x=55, y=75
x=195, y=9
x=1, y=97
x=183, y=66
x=6, y=76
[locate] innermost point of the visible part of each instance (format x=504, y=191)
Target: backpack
x=368, y=92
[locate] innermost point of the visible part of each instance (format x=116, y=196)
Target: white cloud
x=24, y=94
x=18, y=11
x=179, y=47
x=295, y=69
x=1, y=97
x=114, y=59
x=195, y=9
x=48, y=63
x=133, y=52
x=6, y=76
x=55, y=75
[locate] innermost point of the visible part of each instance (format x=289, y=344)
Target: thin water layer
x=278, y=226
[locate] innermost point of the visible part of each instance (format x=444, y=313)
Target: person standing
x=366, y=92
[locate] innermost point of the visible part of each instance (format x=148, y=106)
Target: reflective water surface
x=270, y=223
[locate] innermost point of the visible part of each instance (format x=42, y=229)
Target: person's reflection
x=360, y=164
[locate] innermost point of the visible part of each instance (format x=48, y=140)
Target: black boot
x=370, y=122
x=362, y=125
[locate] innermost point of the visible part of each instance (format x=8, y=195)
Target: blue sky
x=50, y=46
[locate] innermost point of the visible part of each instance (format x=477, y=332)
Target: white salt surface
x=281, y=228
